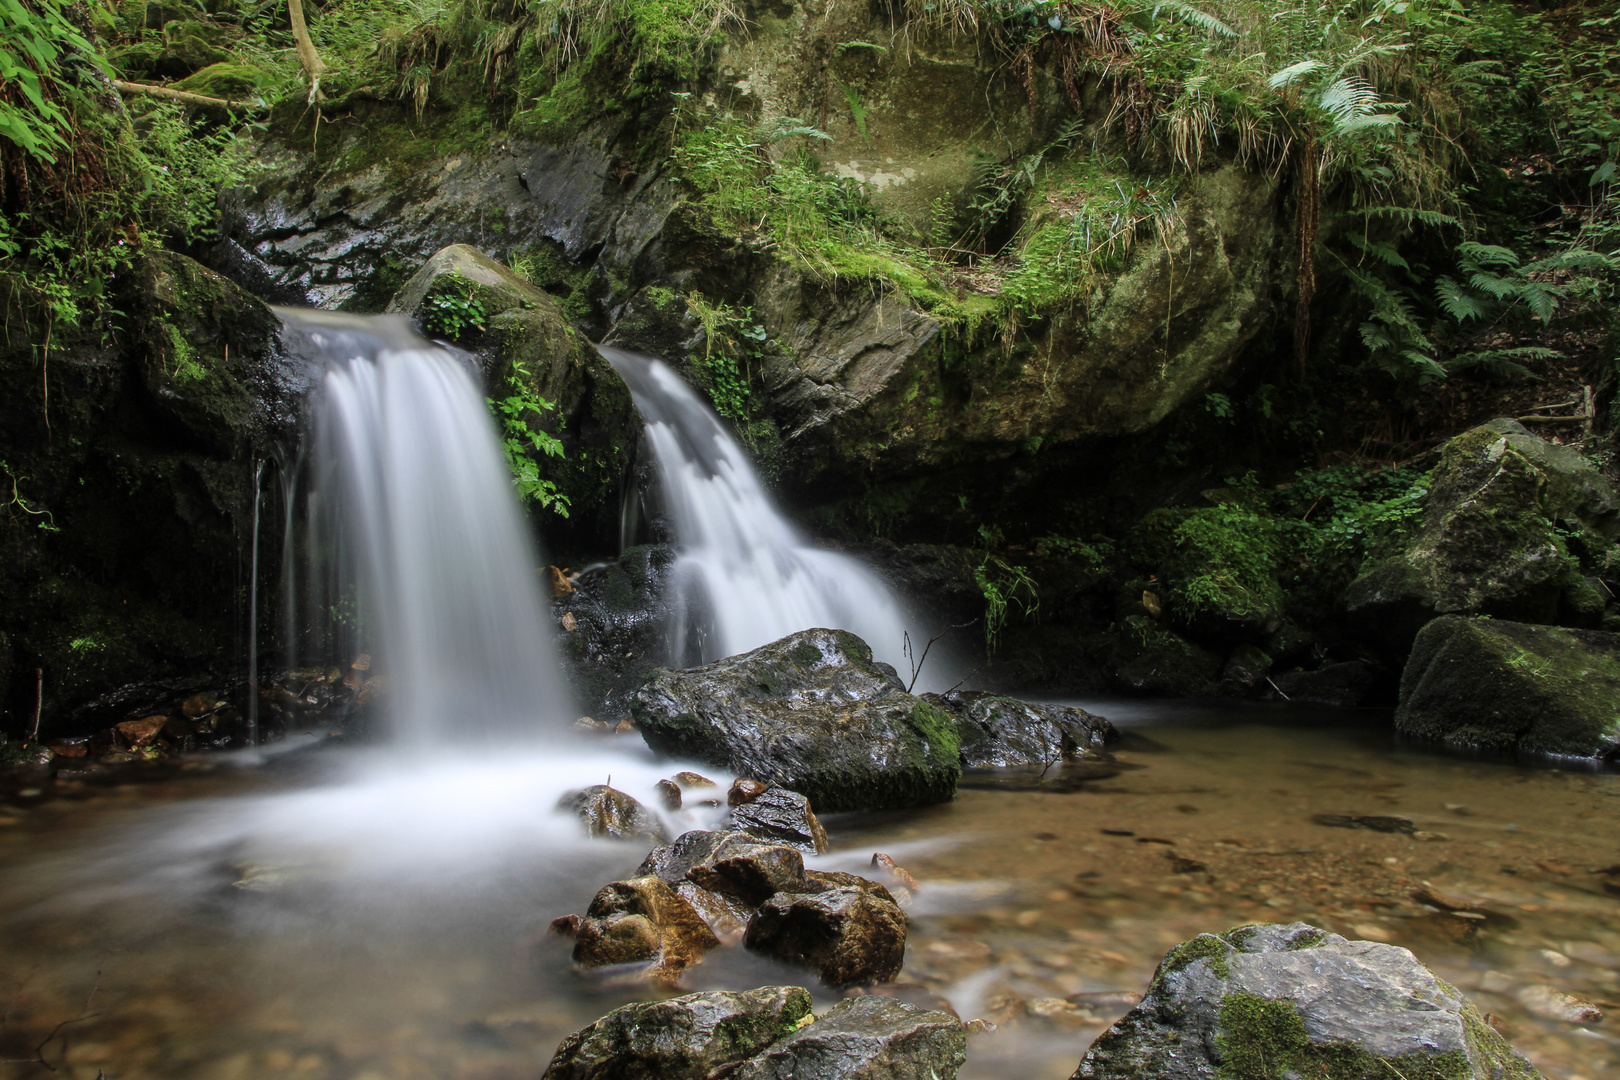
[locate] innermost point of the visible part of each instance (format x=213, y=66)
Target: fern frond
x=1348, y=97
x=1192, y=16
x=1541, y=298
x=1384, y=253
x=1291, y=74
x=1496, y=285
x=1457, y=301
x=1409, y=214
x=1471, y=254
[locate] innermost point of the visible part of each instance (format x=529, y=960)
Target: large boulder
x=1511, y=686
x=763, y=1034
x=1284, y=1001
x=684, y=1038
x=866, y=1038
x=997, y=731
x=1489, y=540
x=813, y=713
x=1154, y=660
x=850, y=929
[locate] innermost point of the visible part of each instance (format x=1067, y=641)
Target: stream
x=351, y=914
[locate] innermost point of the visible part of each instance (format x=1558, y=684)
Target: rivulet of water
x=744, y=576
x=425, y=562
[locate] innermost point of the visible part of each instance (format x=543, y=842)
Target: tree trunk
x=307, y=56
x=185, y=98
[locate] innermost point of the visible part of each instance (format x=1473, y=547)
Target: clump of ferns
x=417, y=55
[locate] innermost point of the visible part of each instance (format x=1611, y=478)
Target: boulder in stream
x=1512, y=686
x=997, y=731
x=692, y=1037
x=1280, y=1001
x=609, y=812
x=850, y=929
x=812, y=713
x=866, y=1038
x=642, y=920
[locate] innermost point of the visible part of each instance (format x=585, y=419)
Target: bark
x=314, y=66
x=201, y=100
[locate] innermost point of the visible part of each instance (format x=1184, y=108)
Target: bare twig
x=916, y=666
x=39, y=1051
x=962, y=680
x=1277, y=688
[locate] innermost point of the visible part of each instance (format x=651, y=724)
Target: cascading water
x=420, y=545
x=743, y=575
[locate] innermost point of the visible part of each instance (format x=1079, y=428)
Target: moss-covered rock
x=527, y=346
x=130, y=565
x=812, y=712
x=999, y=731
x=1511, y=686
x=230, y=80
x=1489, y=542
x=683, y=1038
x=1269, y=1002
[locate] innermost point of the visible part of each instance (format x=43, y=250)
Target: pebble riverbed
x=298, y=921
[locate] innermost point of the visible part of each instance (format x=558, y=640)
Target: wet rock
x=642, y=921
x=850, y=929
x=611, y=813
x=693, y=1037
x=1278, y=1001
x=691, y=780
x=897, y=875
x=620, y=613
x=1488, y=543
x=745, y=791
x=565, y=925
x=998, y=731
x=144, y=732
x=811, y=713
x=1248, y=666
x=730, y=863
x=1512, y=686
x=781, y=816
x=866, y=1038
x=669, y=793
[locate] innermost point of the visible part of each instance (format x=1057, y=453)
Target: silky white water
x=432, y=569
x=743, y=575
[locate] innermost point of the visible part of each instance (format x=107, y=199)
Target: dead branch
x=185, y=97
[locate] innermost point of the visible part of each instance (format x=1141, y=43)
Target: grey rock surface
x=812, y=713
x=783, y=817
x=1310, y=1002
x=866, y=1038
x=683, y=1038
x=999, y=731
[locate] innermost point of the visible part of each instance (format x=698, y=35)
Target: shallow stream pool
x=352, y=916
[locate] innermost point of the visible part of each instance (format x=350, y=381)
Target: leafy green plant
x=734, y=346
x=451, y=311
x=48, y=523
x=523, y=443
x=1004, y=586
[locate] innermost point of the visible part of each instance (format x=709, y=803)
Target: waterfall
x=743, y=575
x=419, y=555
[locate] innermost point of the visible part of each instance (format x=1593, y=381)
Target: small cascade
x=415, y=549
x=743, y=575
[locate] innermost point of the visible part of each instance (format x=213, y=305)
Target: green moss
x=1260, y=1039
x=1209, y=947
x=232, y=81
x=939, y=729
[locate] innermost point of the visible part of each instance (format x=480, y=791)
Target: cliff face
x=861, y=382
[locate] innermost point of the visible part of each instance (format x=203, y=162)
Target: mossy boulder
x=1489, y=542
x=812, y=712
x=684, y=1038
x=524, y=342
x=230, y=80
x=998, y=731
x=1278, y=1001
x=1511, y=686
